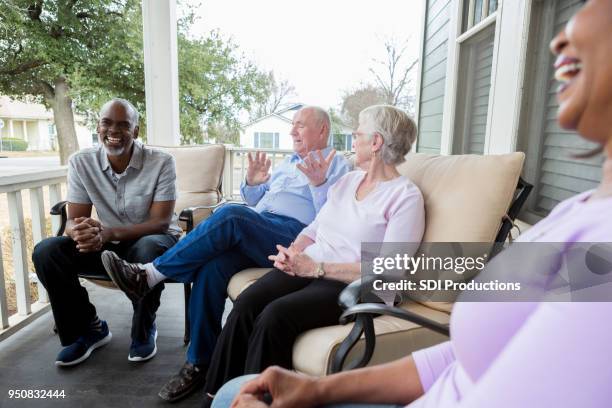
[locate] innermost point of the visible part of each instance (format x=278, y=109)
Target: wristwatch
x=319, y=272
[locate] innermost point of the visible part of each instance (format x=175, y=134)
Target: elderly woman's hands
x=294, y=262
x=286, y=388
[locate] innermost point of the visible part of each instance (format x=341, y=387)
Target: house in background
x=486, y=86
x=272, y=132
x=33, y=123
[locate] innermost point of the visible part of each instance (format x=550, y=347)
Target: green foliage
x=216, y=84
x=84, y=42
x=14, y=145
x=96, y=47
x=223, y=134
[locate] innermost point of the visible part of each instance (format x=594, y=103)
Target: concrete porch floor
x=107, y=378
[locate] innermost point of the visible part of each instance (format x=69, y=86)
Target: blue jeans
x=228, y=392
x=233, y=238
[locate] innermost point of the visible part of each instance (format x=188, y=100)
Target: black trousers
x=57, y=263
x=265, y=322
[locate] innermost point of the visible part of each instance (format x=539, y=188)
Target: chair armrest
x=354, y=293
x=381, y=309
x=350, y=295
x=60, y=209
x=187, y=214
x=363, y=314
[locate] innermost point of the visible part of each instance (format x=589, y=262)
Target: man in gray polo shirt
x=133, y=190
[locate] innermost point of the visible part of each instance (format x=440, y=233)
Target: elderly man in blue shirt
x=236, y=237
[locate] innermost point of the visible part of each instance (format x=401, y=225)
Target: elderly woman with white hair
x=372, y=204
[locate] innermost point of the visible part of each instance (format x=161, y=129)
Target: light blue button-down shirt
x=288, y=191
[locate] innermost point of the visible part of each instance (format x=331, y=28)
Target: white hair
x=397, y=129
x=134, y=115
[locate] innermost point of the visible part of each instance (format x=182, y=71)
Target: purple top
x=528, y=354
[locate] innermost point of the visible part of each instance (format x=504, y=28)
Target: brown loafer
x=131, y=278
x=189, y=379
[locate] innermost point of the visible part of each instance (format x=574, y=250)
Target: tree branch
x=20, y=69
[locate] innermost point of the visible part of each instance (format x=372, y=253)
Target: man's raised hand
x=315, y=166
x=258, y=170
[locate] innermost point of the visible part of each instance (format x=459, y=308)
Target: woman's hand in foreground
x=248, y=401
x=286, y=388
x=293, y=262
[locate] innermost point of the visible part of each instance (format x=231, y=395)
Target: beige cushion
x=199, y=172
x=395, y=338
x=465, y=196
x=243, y=280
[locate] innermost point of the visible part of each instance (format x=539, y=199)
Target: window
x=94, y=139
x=473, y=89
x=341, y=142
x=474, y=11
x=266, y=140
x=51, y=129
x=475, y=62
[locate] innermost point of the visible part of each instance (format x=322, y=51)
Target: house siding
x=562, y=176
x=433, y=75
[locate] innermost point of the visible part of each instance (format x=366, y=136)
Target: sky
x=322, y=47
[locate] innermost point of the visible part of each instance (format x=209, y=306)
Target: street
x=10, y=166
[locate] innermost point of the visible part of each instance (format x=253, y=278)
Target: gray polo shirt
x=150, y=176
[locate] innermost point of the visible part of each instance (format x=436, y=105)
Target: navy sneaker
x=146, y=349
x=81, y=349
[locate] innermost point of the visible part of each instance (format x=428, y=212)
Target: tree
x=50, y=48
x=76, y=54
x=356, y=100
x=278, y=94
x=216, y=85
x=222, y=134
x=392, y=75
x=338, y=124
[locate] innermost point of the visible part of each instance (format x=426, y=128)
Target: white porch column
x=161, y=71
x=25, y=130
x=11, y=129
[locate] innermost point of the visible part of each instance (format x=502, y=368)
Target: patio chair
x=199, y=172
x=468, y=198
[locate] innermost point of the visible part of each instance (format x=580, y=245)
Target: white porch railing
x=236, y=163
x=13, y=186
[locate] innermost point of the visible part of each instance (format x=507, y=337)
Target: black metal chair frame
x=362, y=314
x=187, y=216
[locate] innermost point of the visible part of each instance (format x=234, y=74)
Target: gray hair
x=134, y=115
x=397, y=129
x=321, y=116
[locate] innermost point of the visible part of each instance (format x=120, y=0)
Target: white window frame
x=453, y=72
x=484, y=10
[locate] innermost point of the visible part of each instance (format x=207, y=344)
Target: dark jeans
x=233, y=238
x=265, y=321
x=57, y=263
